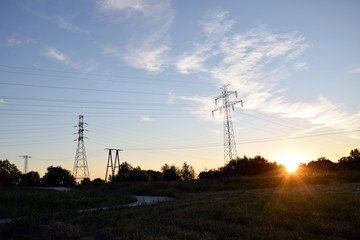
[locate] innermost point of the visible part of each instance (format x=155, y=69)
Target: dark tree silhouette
x=187, y=172
x=129, y=174
x=244, y=167
x=98, y=181
x=85, y=182
x=155, y=175
x=9, y=173
x=30, y=179
x=352, y=162
x=170, y=173
x=57, y=177
x=322, y=165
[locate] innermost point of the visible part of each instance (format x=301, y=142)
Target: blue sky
x=145, y=74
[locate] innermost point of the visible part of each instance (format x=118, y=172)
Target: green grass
x=238, y=208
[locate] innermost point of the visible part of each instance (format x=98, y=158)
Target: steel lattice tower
x=229, y=136
x=26, y=157
x=110, y=164
x=81, y=169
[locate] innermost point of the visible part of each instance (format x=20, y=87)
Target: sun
x=291, y=160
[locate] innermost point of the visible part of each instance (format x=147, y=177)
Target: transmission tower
x=229, y=136
x=26, y=157
x=110, y=164
x=81, y=169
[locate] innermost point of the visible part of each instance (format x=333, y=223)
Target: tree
x=30, y=179
x=9, y=173
x=98, y=181
x=85, y=182
x=322, y=164
x=187, y=172
x=155, y=175
x=138, y=175
x=128, y=173
x=57, y=176
x=171, y=173
x=352, y=161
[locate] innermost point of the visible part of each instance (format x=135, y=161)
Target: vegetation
x=262, y=207
x=9, y=173
x=168, y=173
x=57, y=177
x=249, y=198
x=244, y=167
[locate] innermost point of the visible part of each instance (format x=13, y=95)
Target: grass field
x=240, y=208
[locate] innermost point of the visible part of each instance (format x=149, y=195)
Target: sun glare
x=291, y=160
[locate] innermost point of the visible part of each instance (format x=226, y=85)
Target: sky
x=145, y=73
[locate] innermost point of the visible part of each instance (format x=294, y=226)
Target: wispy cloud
x=145, y=118
x=216, y=23
x=86, y=65
x=65, y=24
x=14, y=42
x=301, y=65
x=124, y=5
x=55, y=54
x=255, y=62
x=356, y=70
x=149, y=49
x=146, y=57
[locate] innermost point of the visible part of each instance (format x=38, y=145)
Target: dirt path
x=141, y=200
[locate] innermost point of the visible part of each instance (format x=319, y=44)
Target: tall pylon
x=26, y=157
x=229, y=136
x=110, y=164
x=81, y=169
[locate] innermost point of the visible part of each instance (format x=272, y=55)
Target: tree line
x=59, y=177
x=323, y=165
x=245, y=166
x=258, y=165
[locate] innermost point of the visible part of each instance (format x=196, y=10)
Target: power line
x=250, y=141
x=99, y=76
x=82, y=89
x=36, y=99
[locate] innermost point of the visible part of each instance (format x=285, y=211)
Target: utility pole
x=229, y=136
x=110, y=163
x=81, y=170
x=26, y=157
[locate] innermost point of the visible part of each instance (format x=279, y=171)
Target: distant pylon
x=229, y=136
x=110, y=164
x=81, y=169
x=26, y=157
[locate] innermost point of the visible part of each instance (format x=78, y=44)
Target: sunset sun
x=291, y=160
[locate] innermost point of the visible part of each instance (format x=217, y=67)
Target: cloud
x=301, y=65
x=145, y=118
x=147, y=57
x=216, y=23
x=356, y=70
x=147, y=49
x=255, y=62
x=70, y=26
x=124, y=5
x=86, y=65
x=14, y=42
x=55, y=54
